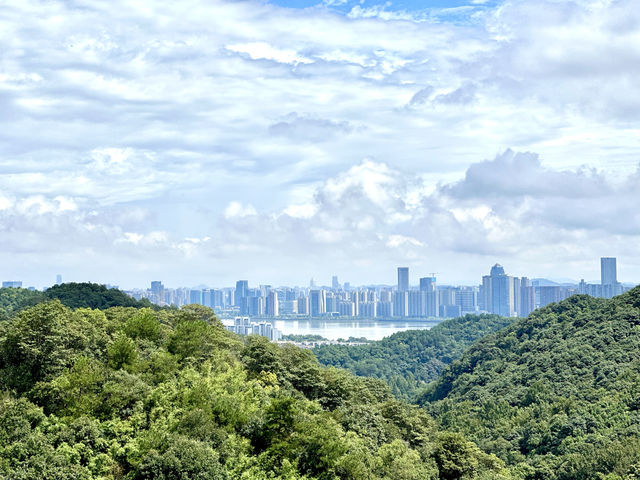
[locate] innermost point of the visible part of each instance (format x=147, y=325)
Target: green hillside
x=128, y=393
x=409, y=360
x=93, y=295
x=13, y=300
x=559, y=390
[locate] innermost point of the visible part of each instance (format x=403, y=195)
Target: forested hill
x=141, y=394
x=74, y=295
x=559, y=390
x=93, y=295
x=408, y=360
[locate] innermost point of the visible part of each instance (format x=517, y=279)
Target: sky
x=204, y=141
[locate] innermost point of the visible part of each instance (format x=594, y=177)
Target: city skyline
x=413, y=282
x=498, y=293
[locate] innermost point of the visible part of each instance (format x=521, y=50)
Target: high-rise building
x=12, y=284
x=272, y=304
x=416, y=304
x=403, y=279
x=608, y=271
x=551, y=294
x=527, y=297
x=428, y=288
x=335, y=284
x=242, y=286
x=59, y=279
x=317, y=302
x=255, y=305
x=450, y=311
x=157, y=292
x=401, y=304
x=385, y=309
x=195, y=296
x=467, y=299
x=609, y=285
x=303, y=305
x=447, y=296
x=288, y=307
x=497, y=292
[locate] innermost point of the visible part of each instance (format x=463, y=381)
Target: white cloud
x=120, y=120
x=262, y=50
x=236, y=209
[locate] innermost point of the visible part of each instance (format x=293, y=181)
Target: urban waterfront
x=332, y=328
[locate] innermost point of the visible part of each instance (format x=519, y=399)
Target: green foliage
x=409, y=360
x=304, y=338
x=122, y=353
x=555, y=394
x=12, y=300
x=134, y=393
x=92, y=295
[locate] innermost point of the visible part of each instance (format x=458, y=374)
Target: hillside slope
x=559, y=390
x=409, y=360
x=129, y=393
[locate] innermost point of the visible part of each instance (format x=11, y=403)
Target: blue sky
x=447, y=11
x=395, y=5
x=150, y=141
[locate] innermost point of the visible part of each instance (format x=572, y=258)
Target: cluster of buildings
x=498, y=293
x=244, y=326
x=512, y=296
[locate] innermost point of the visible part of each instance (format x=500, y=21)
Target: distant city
x=497, y=293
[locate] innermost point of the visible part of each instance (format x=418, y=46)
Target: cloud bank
x=204, y=141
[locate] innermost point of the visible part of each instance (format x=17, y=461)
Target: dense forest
x=407, y=361
x=137, y=393
x=73, y=295
x=131, y=392
x=557, y=393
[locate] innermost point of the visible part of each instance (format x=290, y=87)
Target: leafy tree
x=409, y=360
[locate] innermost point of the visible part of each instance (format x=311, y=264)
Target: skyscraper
x=430, y=295
x=272, y=304
x=608, y=271
x=317, y=302
x=609, y=285
x=59, y=279
x=335, y=284
x=527, y=297
x=401, y=304
x=195, y=297
x=403, y=279
x=497, y=292
x=241, y=291
x=157, y=292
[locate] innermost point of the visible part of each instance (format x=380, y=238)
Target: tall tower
x=272, y=304
x=157, y=292
x=498, y=292
x=403, y=279
x=242, y=287
x=317, y=302
x=429, y=296
x=608, y=271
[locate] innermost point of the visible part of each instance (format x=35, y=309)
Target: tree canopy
x=92, y=295
x=136, y=393
x=409, y=360
x=557, y=393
